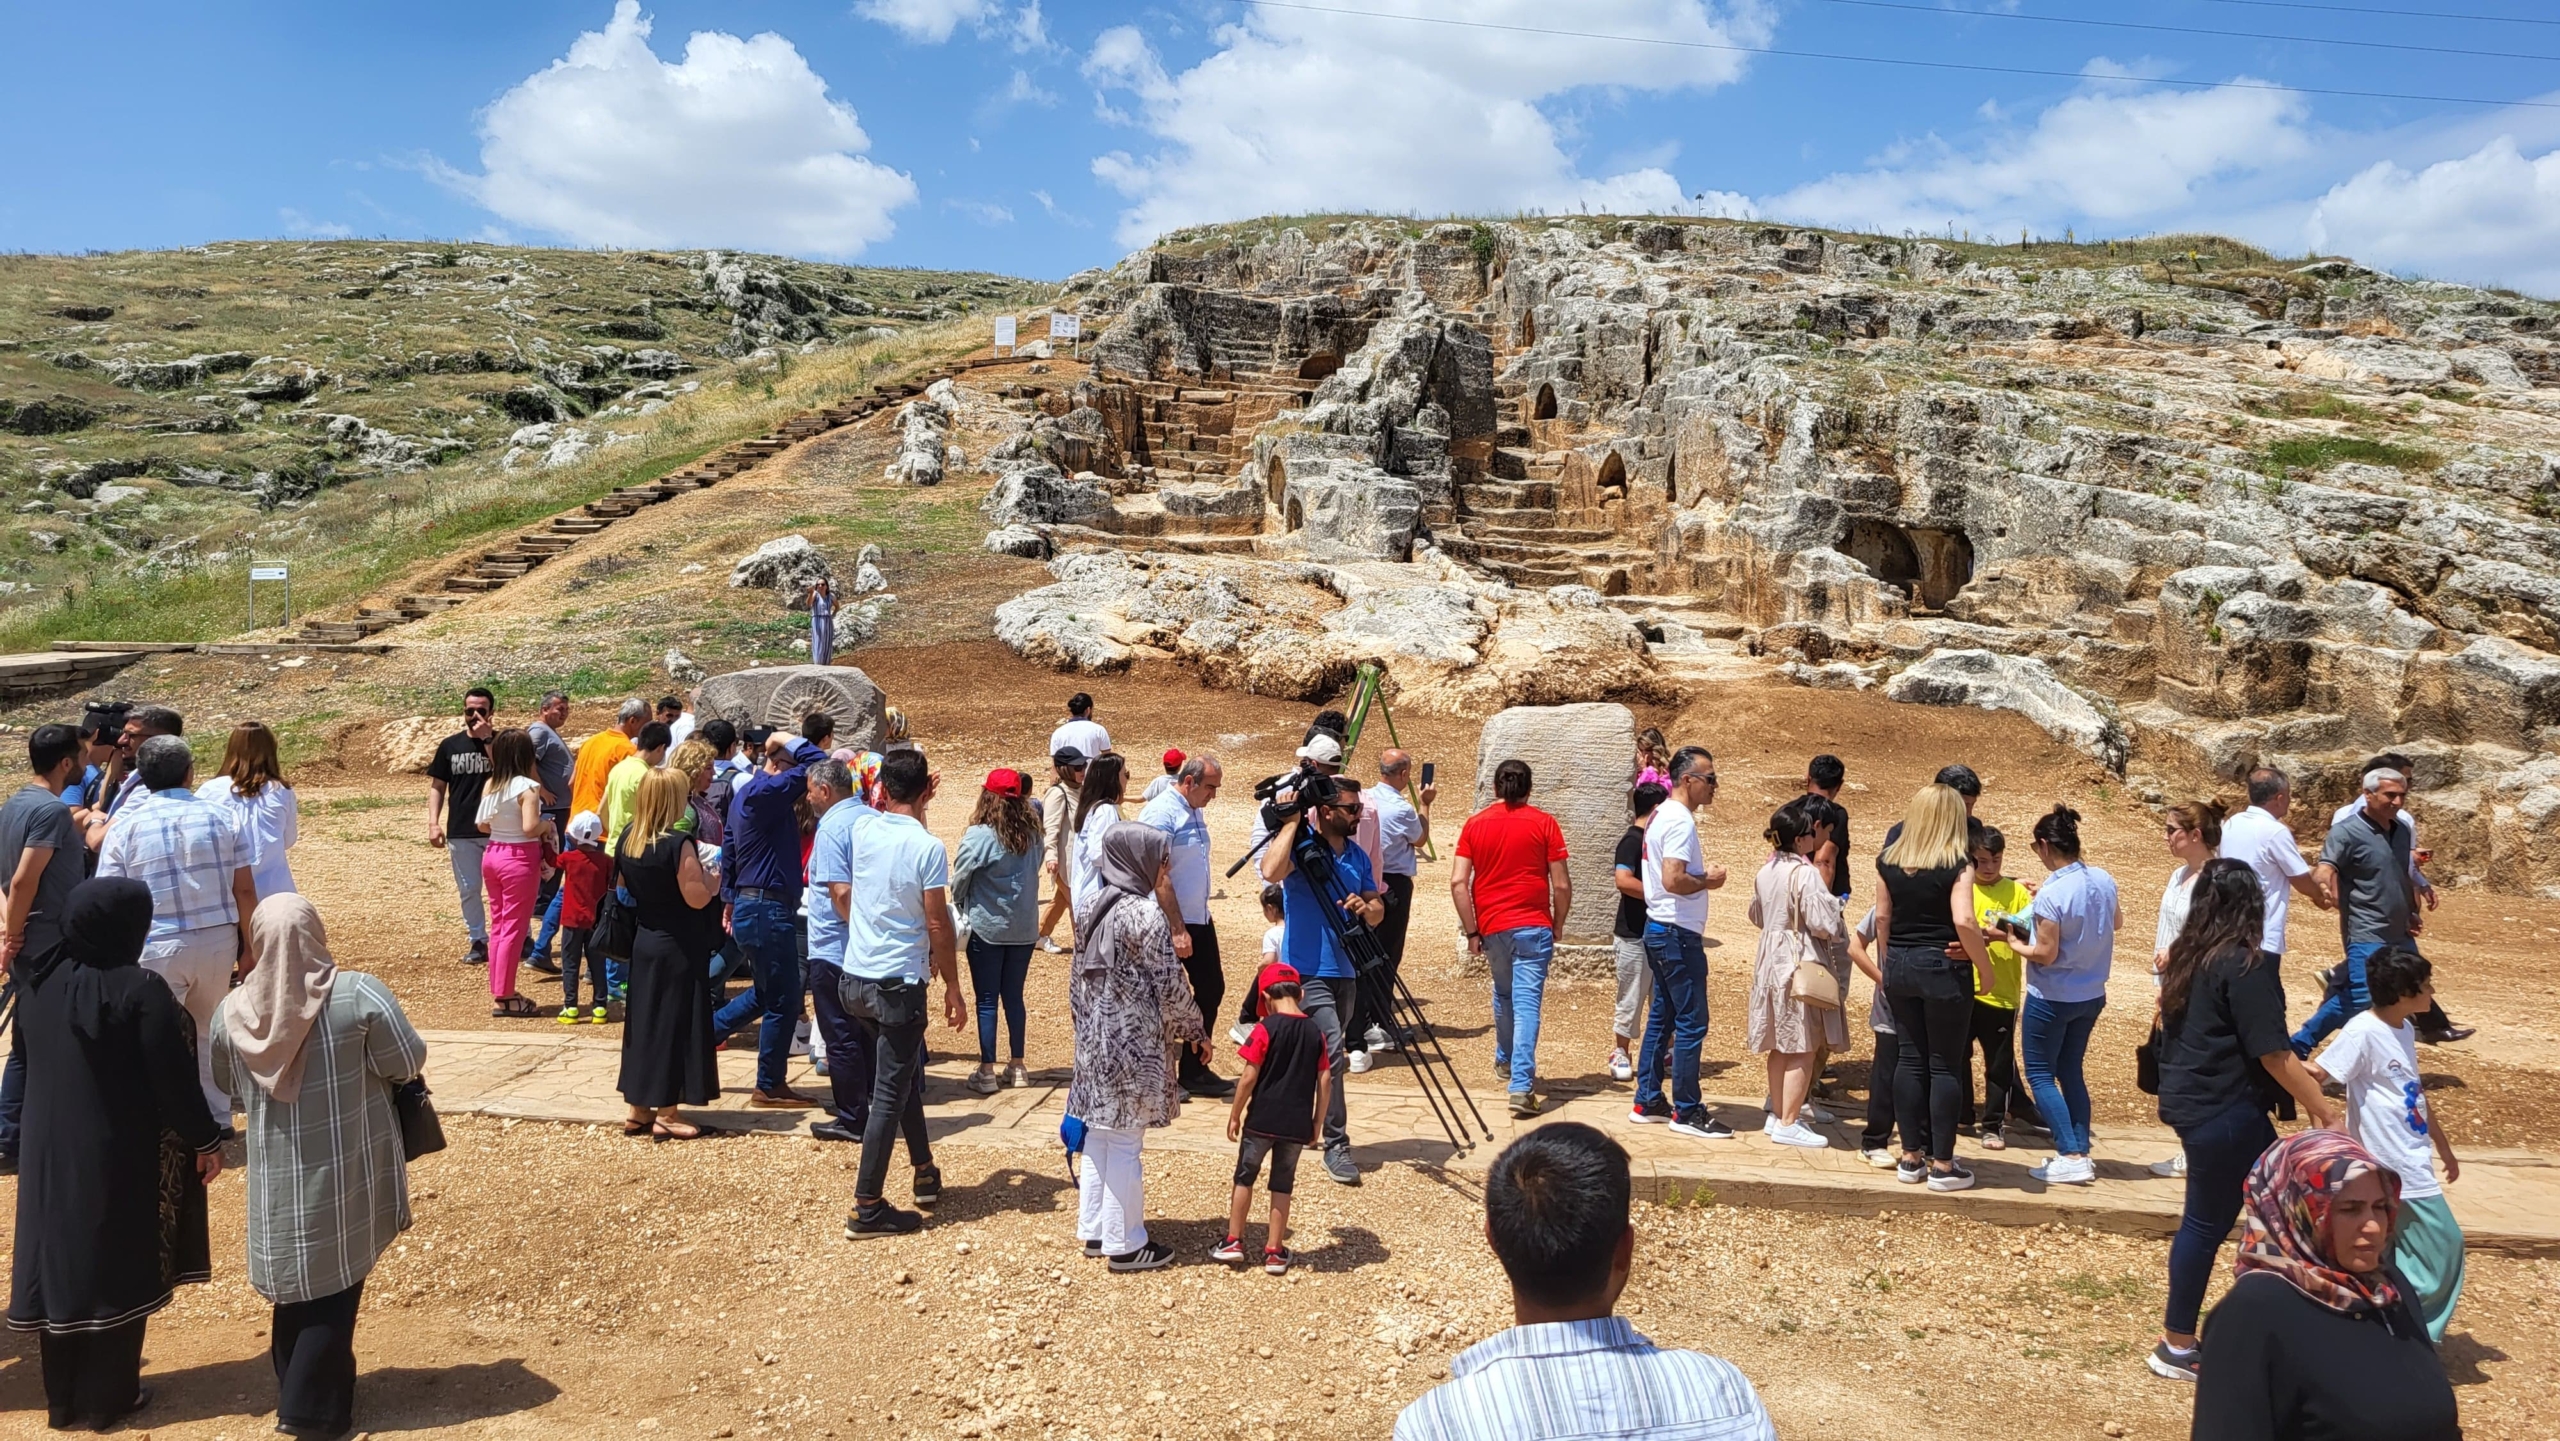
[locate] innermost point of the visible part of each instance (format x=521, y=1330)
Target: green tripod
x=1366, y=691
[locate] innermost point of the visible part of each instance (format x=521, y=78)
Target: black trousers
x=313, y=1347
x=891, y=1017
x=90, y=1377
x=2004, y=1094
x=1208, y=988
x=1880, y=1075
x=1378, y=995
x=848, y=1048
x=1933, y=1014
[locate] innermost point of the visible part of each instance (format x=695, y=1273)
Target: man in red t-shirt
x=1512, y=894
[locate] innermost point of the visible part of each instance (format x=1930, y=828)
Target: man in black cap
x=1057, y=812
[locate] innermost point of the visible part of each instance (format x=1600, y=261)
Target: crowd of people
x=660, y=859
x=165, y=978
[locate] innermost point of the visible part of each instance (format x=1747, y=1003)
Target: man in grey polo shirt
x=898, y=932
x=2366, y=866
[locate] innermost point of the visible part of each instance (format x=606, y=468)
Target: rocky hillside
x=162, y=413
x=2188, y=504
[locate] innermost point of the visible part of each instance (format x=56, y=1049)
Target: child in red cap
x=1278, y=1108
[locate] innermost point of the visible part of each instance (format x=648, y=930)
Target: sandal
x=515, y=1008
x=638, y=1128
x=1992, y=1139
x=678, y=1131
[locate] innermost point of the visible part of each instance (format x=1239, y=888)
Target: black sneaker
x=8, y=1163
x=1651, y=1113
x=1153, y=1256
x=478, y=954
x=542, y=962
x=1208, y=1087
x=2174, y=1365
x=833, y=1131
x=1696, y=1122
x=1093, y=1250
x=928, y=1187
x=878, y=1218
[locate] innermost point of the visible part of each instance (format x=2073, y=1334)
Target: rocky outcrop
x=786, y=565
x=783, y=695
x=2014, y=683
x=924, y=430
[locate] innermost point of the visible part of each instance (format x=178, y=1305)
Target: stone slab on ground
x=2508, y=1200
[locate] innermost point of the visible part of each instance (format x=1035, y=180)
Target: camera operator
x=1332, y=989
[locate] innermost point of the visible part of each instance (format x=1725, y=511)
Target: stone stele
x=781, y=695
x=1581, y=760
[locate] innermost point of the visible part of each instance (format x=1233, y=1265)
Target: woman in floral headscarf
x=2317, y=1338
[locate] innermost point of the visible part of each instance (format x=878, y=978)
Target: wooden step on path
x=494, y=568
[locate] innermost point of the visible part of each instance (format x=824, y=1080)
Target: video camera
x=1293, y=793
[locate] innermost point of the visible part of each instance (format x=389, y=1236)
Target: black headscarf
x=103, y=928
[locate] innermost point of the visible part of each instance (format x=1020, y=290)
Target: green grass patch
x=352, y=805
x=2088, y=1286
x=2317, y=453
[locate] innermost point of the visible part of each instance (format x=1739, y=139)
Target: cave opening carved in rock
x=1544, y=406
x=1926, y=563
x=1319, y=365
x=1612, y=481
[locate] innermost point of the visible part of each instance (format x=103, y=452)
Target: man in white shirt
x=1177, y=813
x=678, y=720
x=898, y=932
x=1404, y=827
x=1080, y=730
x=2259, y=838
x=1676, y=881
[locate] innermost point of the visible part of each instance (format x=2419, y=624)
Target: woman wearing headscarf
x=1130, y=1004
x=314, y=1054
x=2317, y=1338
x=116, y=1151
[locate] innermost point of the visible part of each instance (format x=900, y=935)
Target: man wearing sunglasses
x=1331, y=989
x=454, y=781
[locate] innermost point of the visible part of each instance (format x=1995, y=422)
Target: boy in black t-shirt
x=1635, y=974
x=1278, y=1108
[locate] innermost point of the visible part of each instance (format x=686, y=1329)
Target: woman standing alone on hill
x=511, y=867
x=822, y=624
x=251, y=787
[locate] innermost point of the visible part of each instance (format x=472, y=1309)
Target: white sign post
x=277, y=573
x=1069, y=328
x=1004, y=334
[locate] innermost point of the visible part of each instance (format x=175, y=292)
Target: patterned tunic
x=1126, y=1017
x=1797, y=915
x=328, y=1188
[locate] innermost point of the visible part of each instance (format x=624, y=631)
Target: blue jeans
x=2053, y=1040
x=996, y=973
x=1676, y=1027
x=769, y=930
x=1518, y=959
x=2219, y=1155
x=2337, y=1009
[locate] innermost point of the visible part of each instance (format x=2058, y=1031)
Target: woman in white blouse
x=251, y=788
x=2194, y=834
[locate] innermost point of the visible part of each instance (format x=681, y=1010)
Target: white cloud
x=1304, y=112
x=303, y=226
x=2491, y=217
x=736, y=145
x=2109, y=155
x=931, y=22
x=1049, y=203
x=985, y=212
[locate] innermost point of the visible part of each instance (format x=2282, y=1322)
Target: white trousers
x=1111, y=1199
x=197, y=965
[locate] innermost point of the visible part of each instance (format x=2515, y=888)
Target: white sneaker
x=982, y=1081
x=2174, y=1166
x=1379, y=1040
x=1360, y=1063
x=1813, y=1115
x=1620, y=1068
x=1882, y=1160
x=1052, y=947
x=1798, y=1134
x=1957, y=1179
x=2066, y=1171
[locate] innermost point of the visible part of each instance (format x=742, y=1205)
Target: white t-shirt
x=498, y=807
x=2386, y=1108
x=1086, y=736
x=895, y=861
x=2267, y=847
x=270, y=822
x=1671, y=842
x=679, y=730
x=1085, y=878
x=1271, y=941
x=2174, y=905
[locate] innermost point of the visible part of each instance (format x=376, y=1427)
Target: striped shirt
x=1570, y=1379
x=185, y=849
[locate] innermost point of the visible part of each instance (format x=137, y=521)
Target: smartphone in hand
x=1428, y=768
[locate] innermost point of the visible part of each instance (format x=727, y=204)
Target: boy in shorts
x=1277, y=1111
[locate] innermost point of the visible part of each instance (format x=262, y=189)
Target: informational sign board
x=1065, y=327
x=1004, y=332
x=267, y=572
x=272, y=571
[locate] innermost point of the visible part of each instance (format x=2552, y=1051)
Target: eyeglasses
x=473, y=712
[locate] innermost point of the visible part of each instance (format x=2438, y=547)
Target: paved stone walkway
x=2508, y=1201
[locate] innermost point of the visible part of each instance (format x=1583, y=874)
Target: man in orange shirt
x=600, y=753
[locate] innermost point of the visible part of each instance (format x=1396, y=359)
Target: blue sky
x=1043, y=136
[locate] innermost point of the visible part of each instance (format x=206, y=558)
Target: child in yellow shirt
x=2000, y=908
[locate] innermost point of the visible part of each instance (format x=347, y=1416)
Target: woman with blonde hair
x=511, y=817
x=695, y=759
x=252, y=789
x=1799, y=920
x=666, y=1036
x=1924, y=920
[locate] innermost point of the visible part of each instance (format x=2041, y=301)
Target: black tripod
x=1433, y=1071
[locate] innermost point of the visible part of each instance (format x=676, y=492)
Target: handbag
x=2146, y=1064
x=1813, y=984
x=421, y=1133
x=617, y=928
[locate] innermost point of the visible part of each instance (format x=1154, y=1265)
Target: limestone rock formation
x=1581, y=761
x=924, y=430
x=2244, y=509
x=786, y=565
x=783, y=695
x=408, y=745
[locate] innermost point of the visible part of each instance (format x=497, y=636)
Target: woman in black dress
x=116, y=1152
x=667, y=1057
